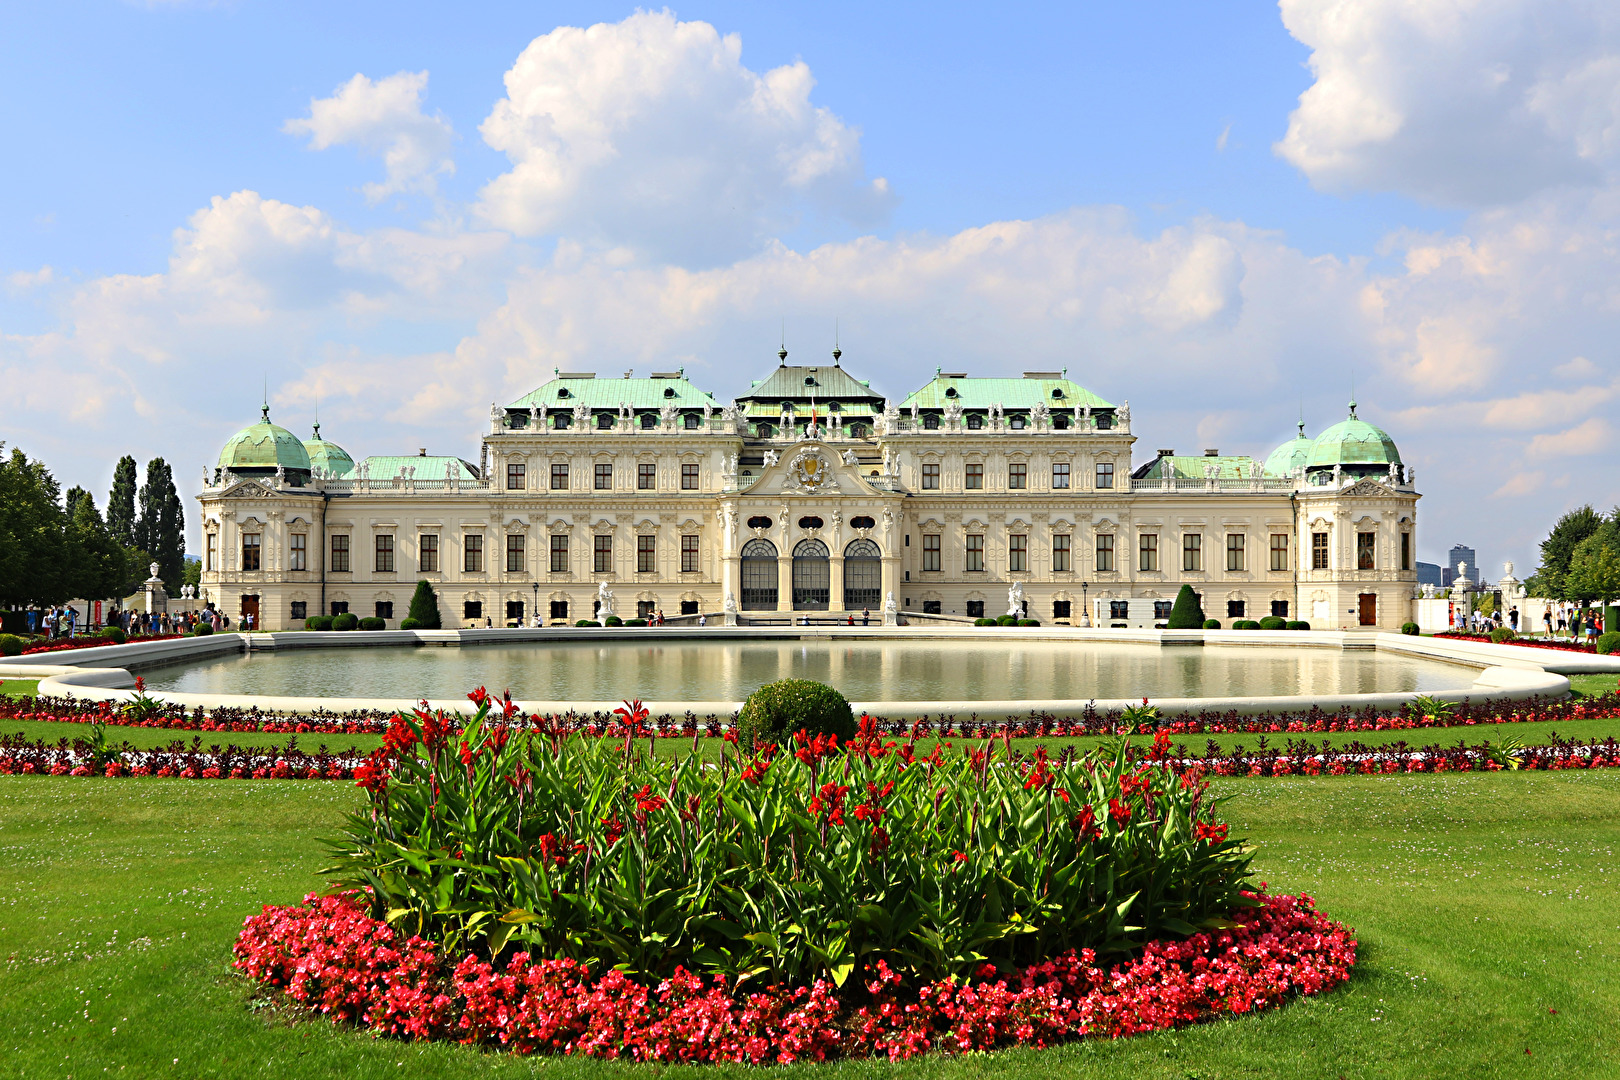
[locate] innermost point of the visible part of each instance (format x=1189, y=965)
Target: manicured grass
x=1482, y=902
x=19, y=687
x=1593, y=685
x=161, y=738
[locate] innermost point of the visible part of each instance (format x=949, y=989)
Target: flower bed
x=92, y=643
x=1533, y=643
x=333, y=958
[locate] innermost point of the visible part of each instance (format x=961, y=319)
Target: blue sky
x=1217, y=211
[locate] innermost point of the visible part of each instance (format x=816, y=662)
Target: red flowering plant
x=778, y=866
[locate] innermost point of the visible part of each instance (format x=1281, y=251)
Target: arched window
x=764, y=431
x=649, y=421
x=931, y=422
x=812, y=576
x=759, y=575
x=693, y=421
x=863, y=575
x=857, y=431
x=604, y=421
x=562, y=420
x=975, y=421
x=1016, y=423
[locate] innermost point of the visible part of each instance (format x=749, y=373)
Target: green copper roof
x=1291, y=455
x=1353, y=442
x=829, y=383
x=264, y=446
x=565, y=393
x=1008, y=393
x=427, y=468
x=328, y=456
x=1192, y=468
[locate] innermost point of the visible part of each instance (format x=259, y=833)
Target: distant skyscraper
x=1431, y=574
x=1460, y=555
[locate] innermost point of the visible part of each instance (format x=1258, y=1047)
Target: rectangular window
x=975, y=609
x=1279, y=551
x=1406, y=551
x=385, y=553
x=1119, y=609
x=559, y=554
x=472, y=609
x=689, y=477
x=973, y=477
x=1105, y=552
x=1162, y=608
x=1017, y=476
x=930, y=476
x=1061, y=609
x=975, y=552
x=300, y=609
x=1060, y=475
x=340, y=607
x=213, y=550
x=1319, y=551
x=559, y=476
x=689, y=554
x=385, y=609
x=514, y=612
x=1060, y=552
x=340, y=554
x=298, y=552
x=1364, y=550
x=646, y=476
x=930, y=551
x=1148, y=550
x=1018, y=552
x=472, y=554
x=604, y=478
x=1234, y=609
x=1234, y=551
x=429, y=549
x=646, y=554
x=559, y=610
x=1279, y=608
x=514, y=553
x=516, y=476
x=1105, y=474
x=250, y=551
x=604, y=554
x=1192, y=551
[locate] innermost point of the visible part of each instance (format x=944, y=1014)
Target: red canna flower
x=1120, y=812
x=1084, y=825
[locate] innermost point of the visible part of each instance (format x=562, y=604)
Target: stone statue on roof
x=1124, y=411
x=1037, y=415
x=849, y=458
x=582, y=416
x=953, y=415
x=666, y=415
x=496, y=415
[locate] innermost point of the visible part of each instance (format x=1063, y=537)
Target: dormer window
x=562, y=392
x=975, y=422
x=669, y=391
x=1057, y=392
x=692, y=422
x=950, y=391
x=810, y=380
x=1016, y=423
x=931, y=422
x=604, y=421
x=648, y=421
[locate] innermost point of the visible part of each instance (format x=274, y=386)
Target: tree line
x=1580, y=559
x=56, y=547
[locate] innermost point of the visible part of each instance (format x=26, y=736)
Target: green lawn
x=1482, y=902
x=19, y=687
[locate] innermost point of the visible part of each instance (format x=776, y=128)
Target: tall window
x=516, y=476
x=1060, y=552
x=689, y=554
x=385, y=609
x=646, y=476
x=213, y=552
x=646, y=554
x=514, y=553
x=298, y=552
x=604, y=477
x=429, y=550
x=1406, y=551
x=250, y=551
x=975, y=552
x=1148, y=550
x=1364, y=550
x=340, y=554
x=973, y=478
x=930, y=476
x=1060, y=475
x=689, y=477
x=1279, y=551
x=1192, y=551
x=385, y=553
x=472, y=554
x=1018, y=552
x=559, y=476
x=604, y=555
x=930, y=551
x=1319, y=551
x=1234, y=551
x=1105, y=552
x=1105, y=474
x=1017, y=476
x=559, y=553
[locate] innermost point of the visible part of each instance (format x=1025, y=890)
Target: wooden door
x=250, y=606
x=1369, y=609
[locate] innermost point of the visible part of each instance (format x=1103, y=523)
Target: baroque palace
x=812, y=494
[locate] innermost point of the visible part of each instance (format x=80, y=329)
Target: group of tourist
x=65, y=621
x=1570, y=618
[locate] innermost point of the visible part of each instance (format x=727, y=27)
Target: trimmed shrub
x=1212, y=624
x=777, y=711
x=10, y=645
x=1029, y=622
x=1006, y=620
x=1245, y=624
x=1609, y=643
x=409, y=623
x=202, y=629
x=1410, y=629
x=1188, y=613
x=612, y=620
x=1502, y=634
x=984, y=622
x=424, y=609
x=1272, y=622
x=116, y=635
x=635, y=622
x=587, y=622
x=345, y=621
x=371, y=622
x=318, y=622
x=1297, y=624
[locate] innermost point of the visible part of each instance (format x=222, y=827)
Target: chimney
x=1167, y=453
x=1212, y=453
x=421, y=451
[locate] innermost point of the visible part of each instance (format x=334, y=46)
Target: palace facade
x=812, y=493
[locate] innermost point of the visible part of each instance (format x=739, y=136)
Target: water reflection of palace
x=813, y=494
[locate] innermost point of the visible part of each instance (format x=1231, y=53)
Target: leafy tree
x=97, y=564
x=1188, y=613
x=425, y=608
x=121, y=503
x=192, y=571
x=1559, y=548
x=1594, y=569
x=31, y=534
x=160, y=524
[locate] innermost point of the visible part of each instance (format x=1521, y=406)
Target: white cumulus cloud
x=384, y=118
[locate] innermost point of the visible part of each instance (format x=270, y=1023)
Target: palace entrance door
x=1369, y=609
x=812, y=576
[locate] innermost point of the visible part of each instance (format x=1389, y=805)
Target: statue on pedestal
x=604, y=600
x=1015, y=600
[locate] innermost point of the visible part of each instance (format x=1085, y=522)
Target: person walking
x=866, y=616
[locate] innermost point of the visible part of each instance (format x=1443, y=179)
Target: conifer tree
x=160, y=523
x=424, y=609
x=121, y=503
x=1188, y=613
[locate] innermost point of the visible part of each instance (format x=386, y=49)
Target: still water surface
x=864, y=671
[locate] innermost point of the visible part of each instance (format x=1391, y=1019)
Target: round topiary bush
x=1029, y=622
x=409, y=624
x=1245, y=624
x=613, y=620
x=1297, y=624
x=371, y=622
x=1006, y=620
x=587, y=622
x=318, y=622
x=1272, y=622
x=202, y=629
x=1212, y=624
x=1410, y=629
x=635, y=622
x=345, y=621
x=1609, y=642
x=1501, y=635
x=10, y=645
x=984, y=622
x=117, y=636
x=776, y=711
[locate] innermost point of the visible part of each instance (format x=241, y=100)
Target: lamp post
x=1085, y=606
x=536, y=615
